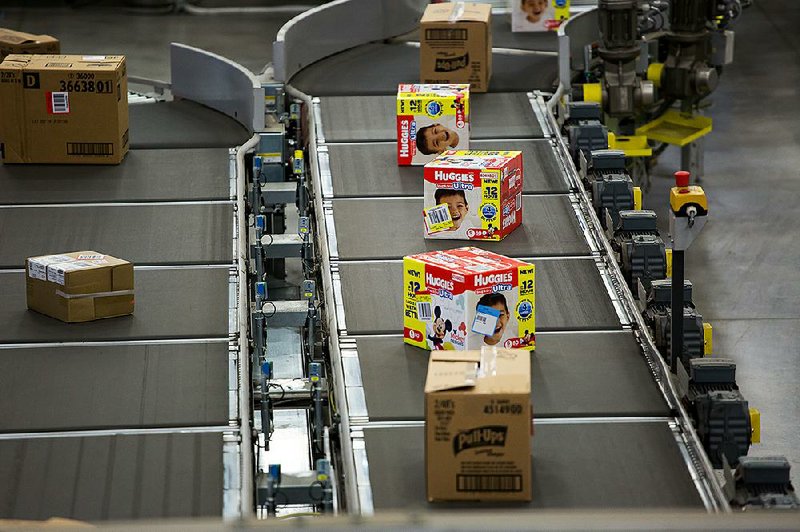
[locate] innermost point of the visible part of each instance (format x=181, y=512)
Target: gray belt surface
x=170, y=303
x=144, y=175
x=583, y=375
x=569, y=296
x=182, y=124
x=371, y=169
x=392, y=228
x=143, y=234
x=112, y=477
x=374, y=118
x=377, y=68
x=114, y=386
x=581, y=465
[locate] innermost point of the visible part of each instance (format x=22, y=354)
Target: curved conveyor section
x=606, y=436
x=124, y=418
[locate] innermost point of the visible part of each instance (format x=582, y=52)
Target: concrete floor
x=746, y=264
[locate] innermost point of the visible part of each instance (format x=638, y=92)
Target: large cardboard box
x=538, y=15
x=467, y=298
x=430, y=120
x=79, y=286
x=64, y=109
x=456, y=44
x=478, y=425
x=18, y=42
x=473, y=195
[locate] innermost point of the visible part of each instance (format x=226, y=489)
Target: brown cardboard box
x=18, y=42
x=64, y=109
x=79, y=286
x=456, y=44
x=478, y=425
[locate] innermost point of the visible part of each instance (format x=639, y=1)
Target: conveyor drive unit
x=658, y=317
x=765, y=482
x=721, y=412
x=643, y=259
x=612, y=192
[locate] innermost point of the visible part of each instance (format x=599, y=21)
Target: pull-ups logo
x=488, y=436
x=452, y=64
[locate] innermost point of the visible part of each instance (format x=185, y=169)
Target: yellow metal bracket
x=669, y=262
x=632, y=145
x=707, y=339
x=637, y=198
x=755, y=425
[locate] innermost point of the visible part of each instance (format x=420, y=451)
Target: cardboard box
x=467, y=298
x=473, y=195
x=64, y=109
x=79, y=286
x=18, y=42
x=478, y=425
x=456, y=44
x=538, y=15
x=430, y=120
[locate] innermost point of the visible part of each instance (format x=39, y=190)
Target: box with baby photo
x=430, y=120
x=467, y=298
x=538, y=15
x=473, y=195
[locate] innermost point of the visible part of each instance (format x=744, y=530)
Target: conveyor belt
x=569, y=296
x=145, y=175
x=112, y=477
x=127, y=388
x=378, y=68
x=392, y=228
x=182, y=124
x=575, y=465
x=170, y=303
x=604, y=436
x=385, y=178
x=138, y=388
x=573, y=375
x=373, y=118
x=143, y=234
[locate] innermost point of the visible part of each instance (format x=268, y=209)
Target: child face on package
x=496, y=301
x=534, y=9
x=456, y=203
x=435, y=139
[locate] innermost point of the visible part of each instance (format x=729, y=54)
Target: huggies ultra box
x=467, y=298
x=430, y=120
x=473, y=195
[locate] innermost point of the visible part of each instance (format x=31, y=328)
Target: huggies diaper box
x=467, y=298
x=473, y=195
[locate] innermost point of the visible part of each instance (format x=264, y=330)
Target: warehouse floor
x=745, y=264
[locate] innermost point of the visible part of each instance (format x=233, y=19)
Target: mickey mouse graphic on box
x=467, y=298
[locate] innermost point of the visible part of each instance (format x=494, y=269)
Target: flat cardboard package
x=466, y=298
x=64, y=109
x=473, y=195
x=79, y=286
x=538, y=15
x=18, y=42
x=478, y=425
x=431, y=119
x=456, y=44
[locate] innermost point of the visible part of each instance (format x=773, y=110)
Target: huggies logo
x=488, y=436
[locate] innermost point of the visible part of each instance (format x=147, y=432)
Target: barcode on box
x=439, y=214
x=444, y=34
x=90, y=148
x=489, y=482
x=59, y=103
x=518, y=202
x=424, y=311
